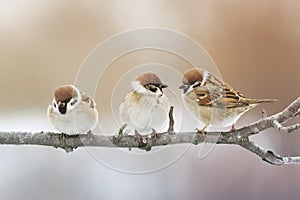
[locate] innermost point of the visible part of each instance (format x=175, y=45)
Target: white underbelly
x=77, y=121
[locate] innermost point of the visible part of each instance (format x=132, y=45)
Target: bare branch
x=268, y=122
x=235, y=137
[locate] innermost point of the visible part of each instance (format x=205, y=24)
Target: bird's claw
x=201, y=131
x=233, y=129
x=63, y=136
x=141, y=139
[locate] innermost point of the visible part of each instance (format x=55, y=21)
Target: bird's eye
x=152, y=88
x=196, y=84
x=54, y=104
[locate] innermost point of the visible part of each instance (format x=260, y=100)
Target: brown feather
x=87, y=99
x=148, y=78
x=135, y=97
x=193, y=75
x=217, y=93
x=256, y=101
x=63, y=93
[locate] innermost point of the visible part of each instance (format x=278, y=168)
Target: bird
x=212, y=101
x=72, y=111
x=145, y=107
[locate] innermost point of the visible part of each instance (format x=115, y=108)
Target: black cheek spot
x=73, y=102
x=197, y=85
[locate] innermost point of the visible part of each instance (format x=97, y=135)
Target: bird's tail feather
x=256, y=101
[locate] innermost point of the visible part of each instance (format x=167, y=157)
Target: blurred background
x=254, y=44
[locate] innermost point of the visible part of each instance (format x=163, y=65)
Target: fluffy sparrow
x=145, y=107
x=212, y=101
x=72, y=111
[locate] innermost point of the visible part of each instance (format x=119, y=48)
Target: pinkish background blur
x=255, y=45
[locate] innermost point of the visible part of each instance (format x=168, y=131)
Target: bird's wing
x=217, y=94
x=88, y=100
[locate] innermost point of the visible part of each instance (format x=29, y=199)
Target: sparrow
x=213, y=101
x=72, y=111
x=145, y=107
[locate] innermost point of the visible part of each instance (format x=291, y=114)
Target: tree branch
x=235, y=137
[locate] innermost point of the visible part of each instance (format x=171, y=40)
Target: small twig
x=266, y=123
x=120, y=133
x=283, y=129
x=171, y=121
x=263, y=114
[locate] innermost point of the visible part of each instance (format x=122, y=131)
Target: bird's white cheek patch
x=136, y=86
x=205, y=77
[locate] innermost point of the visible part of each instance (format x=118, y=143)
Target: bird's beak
x=163, y=85
x=61, y=104
x=62, y=107
x=184, y=86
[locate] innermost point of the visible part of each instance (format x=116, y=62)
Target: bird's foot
x=63, y=136
x=233, y=129
x=201, y=131
x=141, y=139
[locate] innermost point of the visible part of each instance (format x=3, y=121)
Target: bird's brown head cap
x=64, y=92
x=192, y=75
x=148, y=78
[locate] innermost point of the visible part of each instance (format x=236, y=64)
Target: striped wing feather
x=219, y=95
